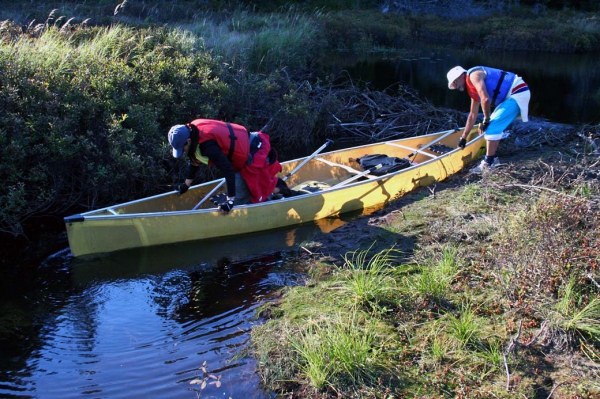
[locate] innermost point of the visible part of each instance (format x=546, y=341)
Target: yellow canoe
x=344, y=187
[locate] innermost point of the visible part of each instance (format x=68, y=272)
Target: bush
x=87, y=114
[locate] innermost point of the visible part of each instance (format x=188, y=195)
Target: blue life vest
x=497, y=89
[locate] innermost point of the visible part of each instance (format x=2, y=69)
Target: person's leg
x=492, y=147
x=242, y=193
x=502, y=116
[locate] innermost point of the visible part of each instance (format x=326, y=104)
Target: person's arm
x=478, y=80
x=191, y=173
x=212, y=151
x=473, y=112
x=189, y=179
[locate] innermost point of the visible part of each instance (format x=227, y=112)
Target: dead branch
x=511, y=345
x=526, y=186
x=555, y=387
x=590, y=141
x=589, y=275
x=378, y=116
x=515, y=343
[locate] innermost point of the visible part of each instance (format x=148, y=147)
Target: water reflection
x=144, y=323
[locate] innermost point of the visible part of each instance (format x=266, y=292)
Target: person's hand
x=226, y=206
x=484, y=125
x=462, y=143
x=182, y=188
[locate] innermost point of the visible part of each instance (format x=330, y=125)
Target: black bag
x=388, y=164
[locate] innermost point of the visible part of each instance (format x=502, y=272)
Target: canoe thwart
x=339, y=165
x=314, y=154
x=358, y=176
x=207, y=196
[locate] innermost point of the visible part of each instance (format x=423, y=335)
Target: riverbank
x=98, y=86
x=480, y=286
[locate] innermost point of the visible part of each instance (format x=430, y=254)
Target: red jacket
x=260, y=175
x=216, y=130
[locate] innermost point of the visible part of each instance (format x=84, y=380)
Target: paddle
x=207, y=196
x=358, y=176
x=314, y=154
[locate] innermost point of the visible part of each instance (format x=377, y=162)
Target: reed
x=261, y=43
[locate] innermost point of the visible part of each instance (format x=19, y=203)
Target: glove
x=462, y=143
x=283, y=188
x=484, y=125
x=182, y=188
x=226, y=206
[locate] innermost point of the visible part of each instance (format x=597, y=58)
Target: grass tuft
x=464, y=327
x=433, y=280
x=342, y=349
x=369, y=280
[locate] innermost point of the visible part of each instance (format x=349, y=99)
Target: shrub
x=87, y=114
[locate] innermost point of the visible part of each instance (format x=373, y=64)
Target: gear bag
x=388, y=164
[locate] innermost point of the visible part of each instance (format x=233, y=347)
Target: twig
x=554, y=389
x=432, y=190
x=589, y=275
x=306, y=250
x=538, y=188
x=589, y=140
x=514, y=341
x=507, y=373
x=534, y=339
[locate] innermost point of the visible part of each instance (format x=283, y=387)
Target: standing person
x=503, y=92
x=246, y=160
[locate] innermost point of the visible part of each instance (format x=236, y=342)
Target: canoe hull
x=132, y=225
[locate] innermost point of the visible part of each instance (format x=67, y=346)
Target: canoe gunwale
x=217, y=181
x=370, y=179
x=92, y=232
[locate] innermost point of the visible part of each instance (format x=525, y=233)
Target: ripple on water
x=150, y=335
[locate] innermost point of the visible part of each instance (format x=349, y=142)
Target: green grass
x=369, y=280
x=312, y=356
x=577, y=315
x=465, y=327
x=433, y=280
x=329, y=346
x=344, y=349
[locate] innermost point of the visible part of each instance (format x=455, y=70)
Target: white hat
x=454, y=73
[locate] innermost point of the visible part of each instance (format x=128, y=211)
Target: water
x=565, y=88
x=143, y=323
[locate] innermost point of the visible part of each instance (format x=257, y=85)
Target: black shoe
x=218, y=199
